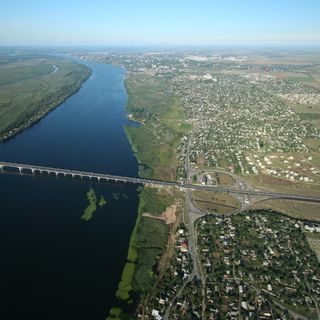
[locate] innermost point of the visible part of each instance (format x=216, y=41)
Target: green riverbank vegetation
x=147, y=242
x=152, y=102
x=33, y=85
x=163, y=123
x=102, y=201
x=147, y=245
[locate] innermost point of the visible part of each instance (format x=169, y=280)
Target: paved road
x=186, y=186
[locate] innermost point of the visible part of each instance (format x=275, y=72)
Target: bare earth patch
x=169, y=216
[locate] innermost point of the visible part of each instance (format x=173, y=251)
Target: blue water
x=53, y=265
x=86, y=132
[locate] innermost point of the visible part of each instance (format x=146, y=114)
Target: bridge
x=28, y=168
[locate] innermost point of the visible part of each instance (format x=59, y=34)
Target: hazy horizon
x=143, y=23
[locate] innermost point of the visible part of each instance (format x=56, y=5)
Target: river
x=53, y=264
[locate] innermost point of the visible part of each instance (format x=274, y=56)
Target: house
x=156, y=314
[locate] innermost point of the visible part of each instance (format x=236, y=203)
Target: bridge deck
x=116, y=178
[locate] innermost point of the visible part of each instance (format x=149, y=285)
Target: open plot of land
x=308, y=113
x=149, y=238
x=152, y=103
x=314, y=242
x=277, y=184
x=221, y=203
x=224, y=179
x=295, y=209
x=30, y=88
x=169, y=216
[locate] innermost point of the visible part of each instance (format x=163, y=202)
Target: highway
x=29, y=168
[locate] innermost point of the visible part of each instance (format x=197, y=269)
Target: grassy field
x=295, y=209
x=30, y=88
x=152, y=103
x=299, y=77
x=214, y=202
x=154, y=142
x=148, y=242
x=308, y=113
x=224, y=179
x=311, y=78
x=314, y=242
x=163, y=123
x=276, y=184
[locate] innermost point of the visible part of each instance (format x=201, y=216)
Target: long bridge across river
x=25, y=168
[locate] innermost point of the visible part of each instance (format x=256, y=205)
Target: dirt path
x=169, y=216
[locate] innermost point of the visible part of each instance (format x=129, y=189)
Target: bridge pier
x=244, y=194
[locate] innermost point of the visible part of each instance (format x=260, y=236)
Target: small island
x=92, y=206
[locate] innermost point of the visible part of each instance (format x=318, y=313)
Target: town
x=239, y=120
x=256, y=265
x=245, y=118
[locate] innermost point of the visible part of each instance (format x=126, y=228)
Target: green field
x=215, y=202
x=303, y=78
x=163, y=124
x=155, y=142
x=153, y=104
x=31, y=86
x=309, y=116
x=148, y=242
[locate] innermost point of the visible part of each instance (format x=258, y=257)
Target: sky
x=160, y=22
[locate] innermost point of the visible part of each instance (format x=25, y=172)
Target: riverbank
x=154, y=143
x=152, y=102
x=82, y=270
x=35, y=90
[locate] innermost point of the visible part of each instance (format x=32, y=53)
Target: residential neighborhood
x=258, y=265
x=255, y=265
x=246, y=118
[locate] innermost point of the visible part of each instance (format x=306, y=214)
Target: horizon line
x=160, y=45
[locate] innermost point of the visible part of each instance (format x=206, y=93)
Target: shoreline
x=35, y=118
x=149, y=237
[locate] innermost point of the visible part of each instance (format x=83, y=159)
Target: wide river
x=53, y=265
